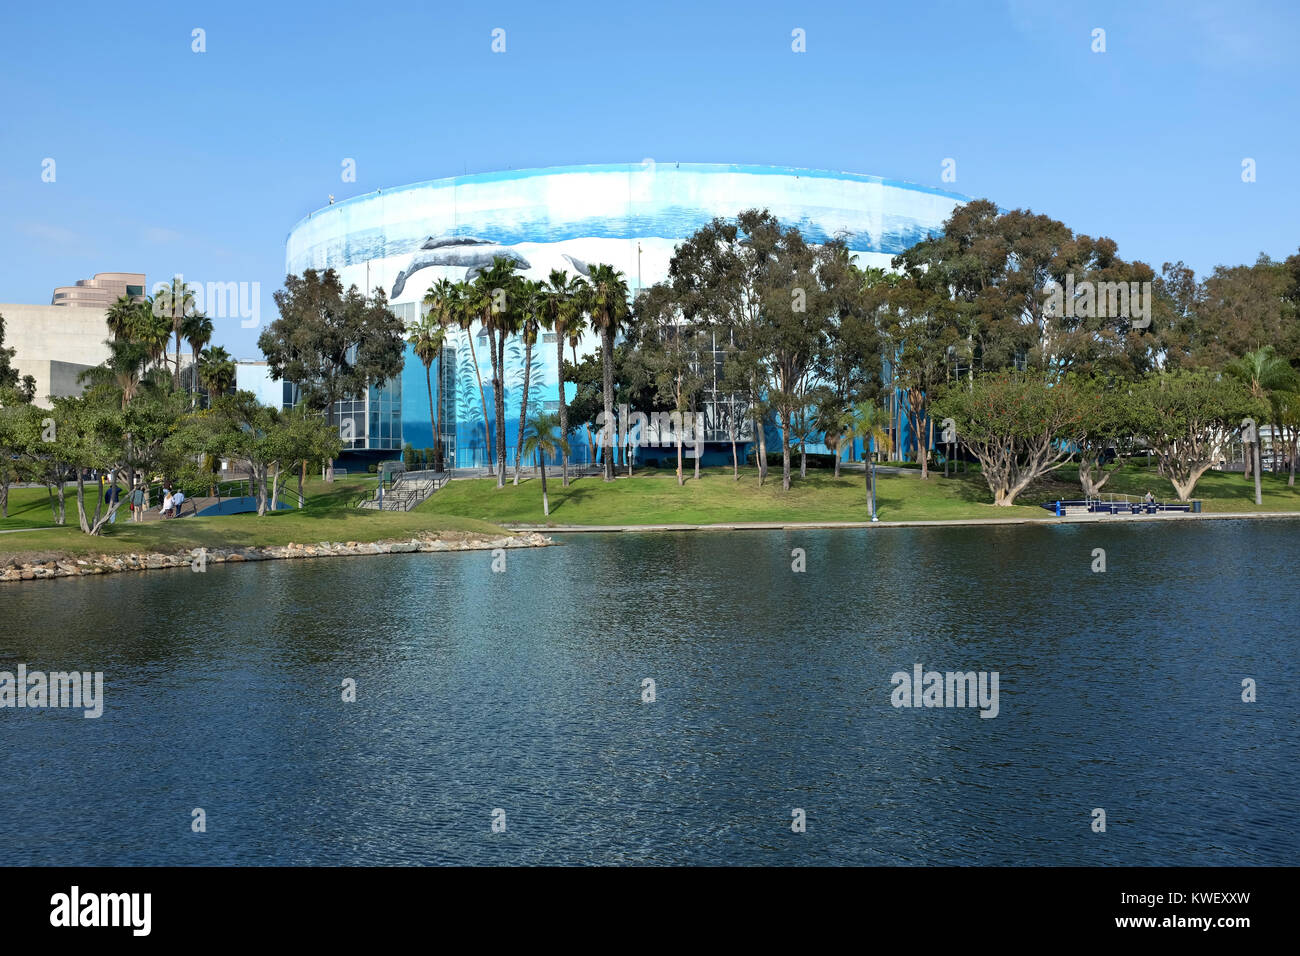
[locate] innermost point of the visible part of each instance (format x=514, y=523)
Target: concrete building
x=54, y=344
x=101, y=291
x=631, y=216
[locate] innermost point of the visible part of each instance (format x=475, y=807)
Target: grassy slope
x=653, y=497
x=328, y=516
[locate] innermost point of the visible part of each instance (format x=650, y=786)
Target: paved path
x=956, y=522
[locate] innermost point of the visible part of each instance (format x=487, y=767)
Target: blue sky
x=172, y=161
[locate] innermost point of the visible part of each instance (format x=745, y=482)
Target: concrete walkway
x=950, y=523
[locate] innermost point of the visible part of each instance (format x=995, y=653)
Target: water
x=522, y=691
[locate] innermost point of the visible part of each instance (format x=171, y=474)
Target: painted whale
x=466, y=252
x=578, y=264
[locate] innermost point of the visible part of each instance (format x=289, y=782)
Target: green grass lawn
x=653, y=497
x=329, y=516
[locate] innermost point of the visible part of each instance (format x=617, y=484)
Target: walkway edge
x=948, y=523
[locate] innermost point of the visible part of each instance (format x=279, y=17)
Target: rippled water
x=522, y=691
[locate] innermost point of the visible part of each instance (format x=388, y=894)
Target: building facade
x=631, y=216
x=101, y=291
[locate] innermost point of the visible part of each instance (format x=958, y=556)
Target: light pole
x=871, y=463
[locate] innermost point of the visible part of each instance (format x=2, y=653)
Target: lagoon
x=523, y=691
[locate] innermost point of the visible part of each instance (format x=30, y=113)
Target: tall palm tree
x=497, y=300
x=464, y=308
x=532, y=305
x=541, y=441
x=871, y=425
x=175, y=301
x=1263, y=372
x=426, y=338
x=561, y=297
x=216, y=371
x=606, y=303
x=197, y=329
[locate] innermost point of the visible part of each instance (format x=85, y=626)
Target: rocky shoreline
x=67, y=566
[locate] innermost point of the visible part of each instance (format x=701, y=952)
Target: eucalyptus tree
x=1186, y=416
x=1019, y=425
x=333, y=344
x=606, y=301
x=668, y=345
x=720, y=272
x=562, y=315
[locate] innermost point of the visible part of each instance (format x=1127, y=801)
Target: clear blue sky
x=171, y=161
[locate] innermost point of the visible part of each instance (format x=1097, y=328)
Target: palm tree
x=1263, y=372
x=871, y=425
x=563, y=315
x=463, y=306
x=124, y=371
x=426, y=339
x=197, y=329
x=497, y=300
x=606, y=302
x=216, y=371
x=532, y=302
x=121, y=316
x=541, y=441
x=175, y=301
x=150, y=329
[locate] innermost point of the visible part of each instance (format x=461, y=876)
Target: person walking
x=137, y=503
x=178, y=499
x=166, y=508
x=111, y=497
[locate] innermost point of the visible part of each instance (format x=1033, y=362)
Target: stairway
x=407, y=490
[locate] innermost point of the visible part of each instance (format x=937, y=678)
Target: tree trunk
x=437, y=418
x=81, y=503
x=607, y=356
x=433, y=412
x=564, y=411
x=1259, y=496
x=501, y=407
x=546, y=501
x=523, y=408
x=785, y=450
x=300, y=474
x=482, y=397
x=681, y=480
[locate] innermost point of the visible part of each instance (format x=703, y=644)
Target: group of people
x=139, y=500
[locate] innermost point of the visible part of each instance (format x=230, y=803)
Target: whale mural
x=467, y=252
